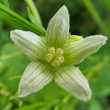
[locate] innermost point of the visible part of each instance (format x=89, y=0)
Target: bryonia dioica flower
x=54, y=57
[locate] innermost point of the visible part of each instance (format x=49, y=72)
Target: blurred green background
x=87, y=17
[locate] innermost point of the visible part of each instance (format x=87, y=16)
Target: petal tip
x=20, y=96
x=64, y=12
x=22, y=93
x=64, y=8
x=102, y=38
x=88, y=96
x=12, y=32
x=16, y=31
x=98, y=39
x=58, y=29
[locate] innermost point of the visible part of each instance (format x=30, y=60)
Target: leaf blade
x=15, y=17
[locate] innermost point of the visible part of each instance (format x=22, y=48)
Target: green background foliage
x=87, y=17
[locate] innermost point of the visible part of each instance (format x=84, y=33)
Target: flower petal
x=34, y=78
x=58, y=29
x=75, y=52
x=30, y=43
x=72, y=80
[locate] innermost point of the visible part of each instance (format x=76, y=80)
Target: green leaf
x=10, y=15
x=34, y=10
x=34, y=20
x=13, y=24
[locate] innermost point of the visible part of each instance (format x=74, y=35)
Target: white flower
x=53, y=59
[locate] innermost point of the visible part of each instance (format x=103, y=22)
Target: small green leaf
x=34, y=20
x=34, y=10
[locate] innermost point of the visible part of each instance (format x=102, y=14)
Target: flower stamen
x=48, y=57
x=59, y=51
x=55, y=63
x=52, y=50
x=54, y=57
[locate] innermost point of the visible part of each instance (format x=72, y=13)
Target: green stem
x=10, y=56
x=96, y=17
x=66, y=99
x=14, y=77
x=34, y=10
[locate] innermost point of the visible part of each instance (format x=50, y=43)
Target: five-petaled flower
x=54, y=57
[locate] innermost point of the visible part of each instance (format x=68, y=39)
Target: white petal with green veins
x=72, y=80
x=34, y=78
x=58, y=29
x=75, y=52
x=30, y=43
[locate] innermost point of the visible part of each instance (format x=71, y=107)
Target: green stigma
x=53, y=57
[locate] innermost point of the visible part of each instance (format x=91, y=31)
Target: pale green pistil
x=55, y=58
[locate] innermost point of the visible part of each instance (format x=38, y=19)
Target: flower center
x=53, y=57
